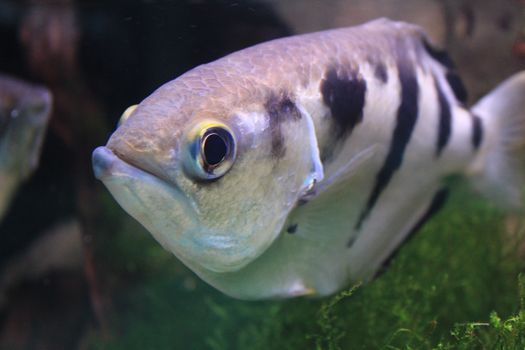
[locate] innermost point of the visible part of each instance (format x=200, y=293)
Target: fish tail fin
x=498, y=171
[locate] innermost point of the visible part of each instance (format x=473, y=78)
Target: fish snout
x=103, y=159
x=146, y=144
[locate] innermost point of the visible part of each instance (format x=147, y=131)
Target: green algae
x=453, y=286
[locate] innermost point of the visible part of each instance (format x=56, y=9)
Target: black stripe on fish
x=453, y=78
x=280, y=108
x=437, y=203
x=439, y=55
x=445, y=120
x=477, y=131
x=406, y=121
x=380, y=72
x=457, y=86
x=344, y=93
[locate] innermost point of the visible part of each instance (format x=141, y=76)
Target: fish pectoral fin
x=348, y=170
x=341, y=176
x=332, y=198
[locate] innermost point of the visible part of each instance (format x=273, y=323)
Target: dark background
x=99, y=57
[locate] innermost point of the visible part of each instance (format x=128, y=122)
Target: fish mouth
x=107, y=164
x=146, y=197
x=167, y=213
x=141, y=193
x=111, y=169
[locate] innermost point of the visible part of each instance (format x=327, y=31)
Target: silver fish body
x=24, y=114
x=298, y=165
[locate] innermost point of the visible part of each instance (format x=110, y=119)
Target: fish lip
x=107, y=164
x=103, y=160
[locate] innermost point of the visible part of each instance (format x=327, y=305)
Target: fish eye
x=212, y=151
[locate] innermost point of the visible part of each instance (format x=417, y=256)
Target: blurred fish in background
x=24, y=114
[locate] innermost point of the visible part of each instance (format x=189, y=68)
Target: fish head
x=211, y=173
x=24, y=114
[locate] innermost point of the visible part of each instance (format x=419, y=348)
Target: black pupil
x=215, y=149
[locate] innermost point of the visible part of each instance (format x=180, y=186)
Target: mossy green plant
x=453, y=286
x=331, y=329
x=497, y=334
